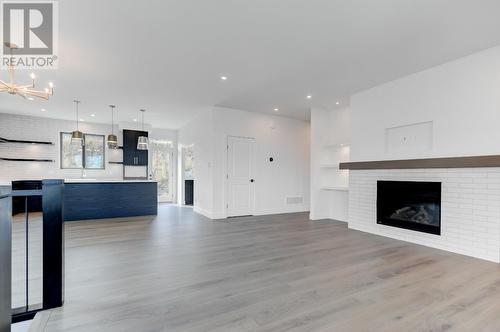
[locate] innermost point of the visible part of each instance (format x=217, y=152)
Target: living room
x=250, y=166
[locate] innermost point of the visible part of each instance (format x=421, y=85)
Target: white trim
x=209, y=214
x=226, y=180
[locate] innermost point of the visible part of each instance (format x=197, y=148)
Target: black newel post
x=5, y=259
x=53, y=243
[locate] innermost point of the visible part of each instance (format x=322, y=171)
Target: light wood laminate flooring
x=182, y=272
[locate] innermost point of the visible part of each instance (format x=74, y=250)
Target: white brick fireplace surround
x=470, y=208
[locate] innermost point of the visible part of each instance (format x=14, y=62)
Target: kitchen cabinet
x=131, y=155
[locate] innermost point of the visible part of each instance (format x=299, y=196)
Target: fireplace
x=410, y=205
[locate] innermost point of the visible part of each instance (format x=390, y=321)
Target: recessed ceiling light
x=30, y=98
x=337, y=103
x=92, y=115
x=309, y=97
x=43, y=110
x=276, y=109
x=82, y=120
x=224, y=78
x=135, y=120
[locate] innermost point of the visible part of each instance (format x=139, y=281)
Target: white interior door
x=240, y=176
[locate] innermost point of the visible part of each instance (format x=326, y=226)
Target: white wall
x=461, y=98
x=199, y=133
x=45, y=129
x=462, y=101
x=329, y=127
x=284, y=139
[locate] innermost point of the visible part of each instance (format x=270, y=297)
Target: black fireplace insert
x=410, y=205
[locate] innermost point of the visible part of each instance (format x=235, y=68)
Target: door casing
x=252, y=185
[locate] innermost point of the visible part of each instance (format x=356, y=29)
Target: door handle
x=252, y=180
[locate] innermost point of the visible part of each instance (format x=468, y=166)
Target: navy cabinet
x=188, y=192
x=99, y=200
x=132, y=156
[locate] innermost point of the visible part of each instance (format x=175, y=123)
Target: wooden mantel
x=448, y=162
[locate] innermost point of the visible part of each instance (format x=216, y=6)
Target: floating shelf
x=336, y=166
x=328, y=188
x=25, y=159
x=336, y=145
x=115, y=162
x=5, y=140
x=446, y=162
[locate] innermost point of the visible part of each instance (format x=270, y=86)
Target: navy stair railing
x=52, y=194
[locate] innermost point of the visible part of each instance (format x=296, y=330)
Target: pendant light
x=112, y=139
x=77, y=135
x=142, y=142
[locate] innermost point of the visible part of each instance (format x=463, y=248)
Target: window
x=162, y=153
x=90, y=155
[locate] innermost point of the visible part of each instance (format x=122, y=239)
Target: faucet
x=84, y=174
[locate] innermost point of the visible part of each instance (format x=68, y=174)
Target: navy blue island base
x=112, y=199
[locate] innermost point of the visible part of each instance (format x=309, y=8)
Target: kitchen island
x=86, y=199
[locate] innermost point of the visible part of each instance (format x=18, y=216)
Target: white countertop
x=104, y=181
x=3, y=183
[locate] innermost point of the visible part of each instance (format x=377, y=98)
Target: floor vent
x=295, y=200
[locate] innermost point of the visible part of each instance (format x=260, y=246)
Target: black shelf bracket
x=26, y=159
x=5, y=140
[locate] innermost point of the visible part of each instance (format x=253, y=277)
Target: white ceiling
x=167, y=56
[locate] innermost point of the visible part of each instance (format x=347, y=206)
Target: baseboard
x=209, y=214
x=281, y=211
x=315, y=217
x=377, y=231
x=220, y=215
x=203, y=212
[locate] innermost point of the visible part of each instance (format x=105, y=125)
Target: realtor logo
x=32, y=26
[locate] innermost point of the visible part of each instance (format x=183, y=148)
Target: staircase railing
x=5, y=259
x=51, y=194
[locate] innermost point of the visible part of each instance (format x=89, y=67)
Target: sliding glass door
x=162, y=162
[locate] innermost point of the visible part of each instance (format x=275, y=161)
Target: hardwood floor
x=183, y=272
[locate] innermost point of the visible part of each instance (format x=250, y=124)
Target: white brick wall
x=470, y=208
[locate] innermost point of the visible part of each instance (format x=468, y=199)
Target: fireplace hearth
x=410, y=205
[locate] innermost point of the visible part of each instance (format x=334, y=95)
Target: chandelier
x=26, y=91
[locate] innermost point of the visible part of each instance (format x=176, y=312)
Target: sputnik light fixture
x=27, y=91
x=142, y=141
x=112, y=139
x=77, y=135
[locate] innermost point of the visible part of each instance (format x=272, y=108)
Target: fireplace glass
x=410, y=205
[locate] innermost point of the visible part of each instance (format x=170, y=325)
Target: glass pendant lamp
x=112, y=139
x=142, y=142
x=77, y=135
